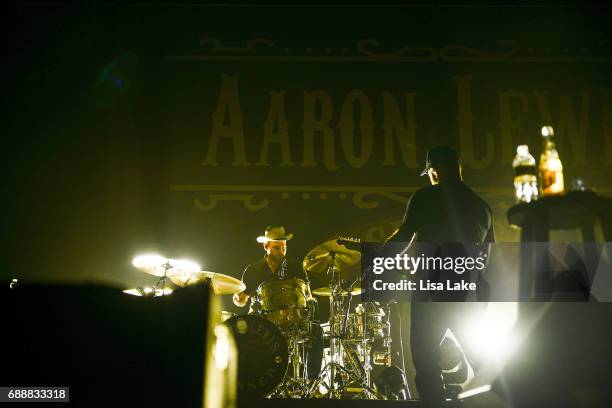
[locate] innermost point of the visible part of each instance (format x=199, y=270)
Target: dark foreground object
x=108, y=347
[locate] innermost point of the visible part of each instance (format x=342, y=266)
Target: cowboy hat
x=274, y=234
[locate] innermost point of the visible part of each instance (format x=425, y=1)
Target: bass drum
x=262, y=355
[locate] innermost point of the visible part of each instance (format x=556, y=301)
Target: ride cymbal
x=320, y=258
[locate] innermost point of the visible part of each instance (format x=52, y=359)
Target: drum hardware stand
x=162, y=280
x=334, y=367
x=295, y=383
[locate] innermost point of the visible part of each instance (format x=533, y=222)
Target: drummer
x=272, y=266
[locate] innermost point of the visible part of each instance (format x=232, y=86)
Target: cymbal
x=158, y=265
x=148, y=291
x=319, y=259
x=327, y=291
x=221, y=284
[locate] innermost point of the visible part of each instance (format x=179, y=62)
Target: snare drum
x=283, y=302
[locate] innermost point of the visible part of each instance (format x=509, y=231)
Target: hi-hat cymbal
x=157, y=265
x=321, y=257
x=221, y=284
x=327, y=291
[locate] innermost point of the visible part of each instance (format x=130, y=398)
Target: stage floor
x=333, y=403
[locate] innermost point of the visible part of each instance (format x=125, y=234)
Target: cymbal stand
x=162, y=280
x=334, y=367
x=295, y=384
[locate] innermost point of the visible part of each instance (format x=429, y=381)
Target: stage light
x=156, y=264
x=185, y=265
x=492, y=334
x=148, y=259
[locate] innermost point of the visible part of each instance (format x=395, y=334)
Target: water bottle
x=525, y=176
x=551, y=169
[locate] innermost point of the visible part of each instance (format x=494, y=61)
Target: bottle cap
x=547, y=131
x=522, y=150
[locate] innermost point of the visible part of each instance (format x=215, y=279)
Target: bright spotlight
x=148, y=259
x=157, y=265
x=492, y=334
x=186, y=265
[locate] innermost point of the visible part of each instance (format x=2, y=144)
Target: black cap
x=440, y=156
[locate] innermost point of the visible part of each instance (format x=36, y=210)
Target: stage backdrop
x=187, y=129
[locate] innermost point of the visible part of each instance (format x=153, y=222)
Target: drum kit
x=275, y=341
x=352, y=335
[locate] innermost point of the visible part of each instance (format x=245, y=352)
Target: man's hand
x=240, y=299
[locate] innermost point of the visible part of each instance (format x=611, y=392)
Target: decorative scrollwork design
x=263, y=49
x=463, y=53
x=251, y=45
x=424, y=53
x=417, y=52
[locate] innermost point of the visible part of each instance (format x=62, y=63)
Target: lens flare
x=492, y=333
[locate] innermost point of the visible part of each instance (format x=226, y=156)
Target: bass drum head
x=262, y=355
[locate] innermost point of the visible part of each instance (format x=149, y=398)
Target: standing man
x=447, y=211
